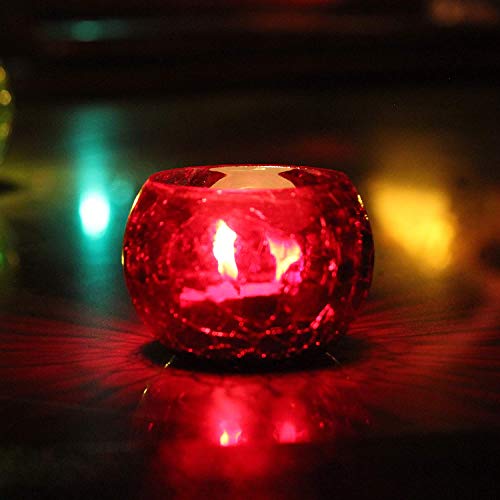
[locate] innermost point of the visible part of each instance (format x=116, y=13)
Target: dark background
x=111, y=48
x=402, y=96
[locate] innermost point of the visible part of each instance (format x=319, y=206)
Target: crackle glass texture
x=229, y=262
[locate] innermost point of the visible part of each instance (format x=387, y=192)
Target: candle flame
x=286, y=253
x=224, y=439
x=230, y=438
x=223, y=250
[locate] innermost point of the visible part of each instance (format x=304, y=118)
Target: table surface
x=407, y=405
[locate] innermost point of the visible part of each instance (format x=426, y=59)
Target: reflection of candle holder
x=247, y=261
x=228, y=431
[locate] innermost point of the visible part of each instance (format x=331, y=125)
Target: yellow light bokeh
x=420, y=220
x=5, y=97
x=4, y=130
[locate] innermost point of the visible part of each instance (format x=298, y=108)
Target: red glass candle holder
x=230, y=262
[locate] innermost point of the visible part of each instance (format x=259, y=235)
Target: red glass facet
x=247, y=261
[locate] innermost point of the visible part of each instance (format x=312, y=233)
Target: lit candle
x=232, y=284
x=242, y=261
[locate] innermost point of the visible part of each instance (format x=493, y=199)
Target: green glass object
x=6, y=110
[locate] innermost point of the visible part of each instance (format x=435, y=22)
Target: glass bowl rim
x=330, y=177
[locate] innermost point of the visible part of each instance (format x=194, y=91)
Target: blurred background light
x=419, y=220
x=94, y=211
x=6, y=111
